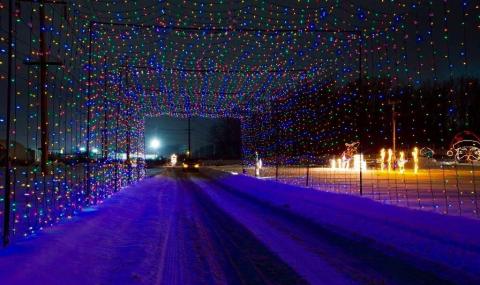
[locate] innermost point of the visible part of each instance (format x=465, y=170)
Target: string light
x=289, y=73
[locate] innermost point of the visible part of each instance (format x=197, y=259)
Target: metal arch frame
x=357, y=33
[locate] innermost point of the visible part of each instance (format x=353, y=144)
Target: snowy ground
x=453, y=189
x=214, y=228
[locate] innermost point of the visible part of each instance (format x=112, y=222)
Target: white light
x=359, y=162
x=173, y=159
x=82, y=149
x=95, y=150
x=155, y=143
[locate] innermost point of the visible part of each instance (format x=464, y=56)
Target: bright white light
x=95, y=150
x=82, y=149
x=173, y=159
x=155, y=143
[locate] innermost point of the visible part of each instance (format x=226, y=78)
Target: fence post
x=308, y=174
x=361, y=174
x=474, y=189
x=276, y=170
x=445, y=189
x=458, y=189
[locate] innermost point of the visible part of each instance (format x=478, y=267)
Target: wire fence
x=447, y=188
x=38, y=201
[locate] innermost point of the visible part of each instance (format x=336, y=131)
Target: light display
x=382, y=159
x=390, y=162
x=401, y=162
x=173, y=159
x=427, y=152
x=359, y=162
x=304, y=77
x=465, y=147
x=415, y=160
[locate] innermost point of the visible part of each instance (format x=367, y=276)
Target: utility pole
x=129, y=114
x=89, y=85
x=189, y=138
x=105, y=116
x=360, y=91
x=6, y=217
x=394, y=126
x=43, y=63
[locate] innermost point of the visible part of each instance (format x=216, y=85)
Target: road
x=163, y=231
x=179, y=228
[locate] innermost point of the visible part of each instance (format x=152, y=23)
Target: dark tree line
x=225, y=137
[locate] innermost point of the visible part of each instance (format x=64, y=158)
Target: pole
x=116, y=140
x=189, y=138
x=6, y=217
x=105, y=115
x=129, y=126
x=360, y=93
x=43, y=92
x=43, y=63
x=126, y=68
x=394, y=126
x=308, y=174
x=89, y=91
x=394, y=130
x=88, y=109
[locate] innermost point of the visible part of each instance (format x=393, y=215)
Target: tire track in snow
x=353, y=257
x=244, y=259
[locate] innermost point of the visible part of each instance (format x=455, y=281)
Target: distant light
x=82, y=149
x=95, y=150
x=155, y=143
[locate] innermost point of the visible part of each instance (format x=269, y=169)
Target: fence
x=39, y=201
x=446, y=188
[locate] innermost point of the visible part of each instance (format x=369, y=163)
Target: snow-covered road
x=164, y=230
x=213, y=228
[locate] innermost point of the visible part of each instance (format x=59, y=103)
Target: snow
x=446, y=245
x=218, y=228
x=160, y=231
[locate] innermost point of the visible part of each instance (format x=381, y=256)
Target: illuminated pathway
x=215, y=228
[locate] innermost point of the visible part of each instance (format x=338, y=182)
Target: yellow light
x=401, y=162
x=359, y=162
x=197, y=165
x=415, y=160
x=185, y=165
x=389, y=159
x=333, y=164
x=382, y=159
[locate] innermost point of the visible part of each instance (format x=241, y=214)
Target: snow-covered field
x=217, y=228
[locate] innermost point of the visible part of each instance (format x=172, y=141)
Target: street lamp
x=155, y=145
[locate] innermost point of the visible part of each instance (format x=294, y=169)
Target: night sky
x=173, y=135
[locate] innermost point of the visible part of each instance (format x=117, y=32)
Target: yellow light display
x=401, y=162
x=390, y=159
x=415, y=160
x=382, y=159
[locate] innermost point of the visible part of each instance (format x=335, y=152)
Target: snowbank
x=447, y=241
